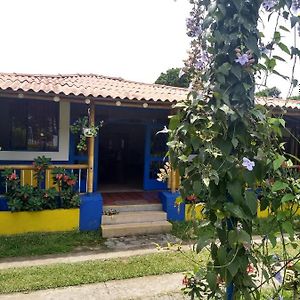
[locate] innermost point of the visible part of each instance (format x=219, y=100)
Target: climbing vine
x=229, y=151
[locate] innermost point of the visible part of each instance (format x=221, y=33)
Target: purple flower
x=202, y=59
x=248, y=164
x=269, y=4
x=278, y=277
x=296, y=7
x=193, y=29
x=242, y=59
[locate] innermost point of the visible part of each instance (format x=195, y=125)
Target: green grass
x=62, y=275
x=48, y=243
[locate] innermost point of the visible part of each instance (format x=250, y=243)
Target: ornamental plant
x=228, y=150
x=66, y=183
x=40, y=164
x=82, y=128
x=27, y=197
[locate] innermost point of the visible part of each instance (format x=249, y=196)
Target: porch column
x=91, y=149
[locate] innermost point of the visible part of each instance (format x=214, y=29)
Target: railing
x=26, y=174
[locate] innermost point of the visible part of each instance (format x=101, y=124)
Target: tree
x=172, y=78
x=269, y=92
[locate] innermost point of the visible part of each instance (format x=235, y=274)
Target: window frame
x=63, y=141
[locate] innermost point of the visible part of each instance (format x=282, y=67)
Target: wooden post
x=173, y=181
x=91, y=149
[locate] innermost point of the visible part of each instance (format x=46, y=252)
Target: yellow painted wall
x=40, y=221
x=193, y=212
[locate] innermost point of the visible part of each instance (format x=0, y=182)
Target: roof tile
x=98, y=86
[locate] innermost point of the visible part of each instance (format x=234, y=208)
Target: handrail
x=31, y=167
x=29, y=178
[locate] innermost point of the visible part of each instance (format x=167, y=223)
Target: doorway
x=121, y=157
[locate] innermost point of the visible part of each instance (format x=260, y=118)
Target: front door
x=155, y=151
x=121, y=157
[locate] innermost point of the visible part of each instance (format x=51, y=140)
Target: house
x=123, y=160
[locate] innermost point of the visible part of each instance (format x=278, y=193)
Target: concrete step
x=134, y=207
x=134, y=217
x=116, y=230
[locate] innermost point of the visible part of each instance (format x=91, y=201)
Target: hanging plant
x=82, y=128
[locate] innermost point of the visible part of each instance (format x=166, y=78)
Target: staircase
x=135, y=219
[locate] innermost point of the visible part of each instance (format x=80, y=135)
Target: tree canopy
x=172, y=77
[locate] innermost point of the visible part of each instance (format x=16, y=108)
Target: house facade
x=37, y=111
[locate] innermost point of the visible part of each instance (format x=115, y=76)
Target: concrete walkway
x=76, y=257
x=165, y=287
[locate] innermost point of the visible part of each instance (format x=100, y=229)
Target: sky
x=132, y=39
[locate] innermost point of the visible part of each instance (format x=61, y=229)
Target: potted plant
x=84, y=130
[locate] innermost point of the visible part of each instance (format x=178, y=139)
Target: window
x=28, y=125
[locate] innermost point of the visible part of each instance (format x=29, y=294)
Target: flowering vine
x=228, y=150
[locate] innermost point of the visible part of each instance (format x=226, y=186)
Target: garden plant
x=25, y=197
x=229, y=151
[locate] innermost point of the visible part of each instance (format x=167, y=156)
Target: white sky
x=133, y=39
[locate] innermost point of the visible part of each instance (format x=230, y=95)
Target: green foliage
x=269, y=92
x=40, y=164
x=172, y=78
x=30, y=198
x=82, y=128
x=228, y=151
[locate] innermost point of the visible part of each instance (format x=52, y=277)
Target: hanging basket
x=88, y=132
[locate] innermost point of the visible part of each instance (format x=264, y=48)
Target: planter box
x=39, y=221
x=174, y=212
x=3, y=204
x=91, y=206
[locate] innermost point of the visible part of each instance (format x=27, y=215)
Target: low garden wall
x=188, y=212
x=86, y=217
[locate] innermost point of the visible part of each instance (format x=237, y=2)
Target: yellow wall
x=193, y=212
x=40, y=221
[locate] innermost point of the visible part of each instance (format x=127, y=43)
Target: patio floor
x=130, y=198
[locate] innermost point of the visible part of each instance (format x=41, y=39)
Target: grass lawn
x=48, y=243
x=61, y=275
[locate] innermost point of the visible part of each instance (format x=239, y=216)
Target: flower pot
x=88, y=132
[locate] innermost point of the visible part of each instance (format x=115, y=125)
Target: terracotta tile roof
x=98, y=86
x=90, y=86
x=279, y=102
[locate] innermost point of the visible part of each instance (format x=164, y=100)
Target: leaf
x=294, y=20
x=279, y=185
x=251, y=201
x=174, y=122
x=222, y=254
x=224, y=69
x=235, y=210
x=197, y=187
x=236, y=70
x=235, y=190
x=278, y=162
x=284, y=48
x=287, y=198
x=234, y=142
x=279, y=58
x=284, y=28
x=206, y=235
x=211, y=277
x=243, y=237
x=288, y=227
x=233, y=268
